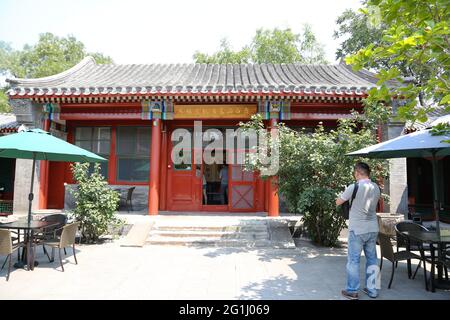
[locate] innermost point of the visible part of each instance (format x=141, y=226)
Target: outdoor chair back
x=128, y=202
x=387, y=251
x=402, y=240
x=60, y=218
x=68, y=234
x=6, y=247
x=130, y=193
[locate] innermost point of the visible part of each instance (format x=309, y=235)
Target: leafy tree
x=270, y=46
x=415, y=43
x=4, y=106
x=314, y=170
x=49, y=56
x=224, y=55
x=356, y=31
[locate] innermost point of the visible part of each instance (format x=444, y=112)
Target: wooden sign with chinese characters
x=214, y=111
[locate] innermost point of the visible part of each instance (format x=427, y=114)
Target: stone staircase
x=220, y=232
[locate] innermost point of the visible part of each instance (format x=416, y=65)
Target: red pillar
x=153, y=192
x=163, y=170
x=43, y=176
x=274, y=210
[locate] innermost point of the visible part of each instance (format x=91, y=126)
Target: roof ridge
x=218, y=64
x=88, y=60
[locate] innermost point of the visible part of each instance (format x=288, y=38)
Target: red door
x=55, y=196
x=241, y=189
x=183, y=187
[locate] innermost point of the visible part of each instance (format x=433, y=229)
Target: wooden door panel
x=242, y=189
x=55, y=198
x=181, y=187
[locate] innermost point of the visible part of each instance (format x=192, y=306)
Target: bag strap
x=355, y=190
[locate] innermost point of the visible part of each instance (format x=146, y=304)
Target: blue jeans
x=357, y=243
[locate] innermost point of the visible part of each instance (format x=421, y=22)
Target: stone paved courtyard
x=109, y=271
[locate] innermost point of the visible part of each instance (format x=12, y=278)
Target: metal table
x=433, y=239
x=29, y=229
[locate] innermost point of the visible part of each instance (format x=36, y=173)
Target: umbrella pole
x=31, y=195
x=435, y=192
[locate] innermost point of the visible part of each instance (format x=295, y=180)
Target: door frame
x=216, y=207
x=258, y=193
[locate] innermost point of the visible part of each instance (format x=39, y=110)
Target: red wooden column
x=163, y=170
x=155, y=160
x=273, y=209
x=43, y=176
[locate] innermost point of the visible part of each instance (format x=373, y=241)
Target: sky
x=165, y=31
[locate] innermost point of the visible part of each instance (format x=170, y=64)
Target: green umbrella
x=420, y=144
x=37, y=144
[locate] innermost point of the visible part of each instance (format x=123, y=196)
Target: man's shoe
x=349, y=295
x=371, y=295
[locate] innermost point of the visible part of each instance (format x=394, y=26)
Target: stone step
x=220, y=232
x=201, y=241
x=209, y=234
x=208, y=242
x=231, y=227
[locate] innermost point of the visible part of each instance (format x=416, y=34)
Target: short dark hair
x=362, y=168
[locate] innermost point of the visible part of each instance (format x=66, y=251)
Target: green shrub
x=95, y=203
x=314, y=170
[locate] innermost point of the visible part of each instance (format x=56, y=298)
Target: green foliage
x=270, y=46
x=356, y=31
x=95, y=202
x=224, y=55
x=415, y=43
x=314, y=170
x=51, y=55
x=4, y=105
x=440, y=130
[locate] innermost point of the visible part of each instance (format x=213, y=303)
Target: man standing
x=363, y=231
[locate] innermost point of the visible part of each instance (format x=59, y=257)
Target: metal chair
x=404, y=242
x=7, y=248
x=52, y=232
x=55, y=230
x=387, y=251
x=129, y=199
x=67, y=239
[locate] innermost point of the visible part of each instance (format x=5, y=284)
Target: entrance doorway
x=209, y=186
x=215, y=177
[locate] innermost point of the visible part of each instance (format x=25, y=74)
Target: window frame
x=92, y=141
x=118, y=156
x=112, y=177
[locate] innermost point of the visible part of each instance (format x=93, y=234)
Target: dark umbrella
x=420, y=144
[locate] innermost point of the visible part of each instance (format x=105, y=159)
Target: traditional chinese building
x=127, y=113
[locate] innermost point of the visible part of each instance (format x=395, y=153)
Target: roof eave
x=16, y=82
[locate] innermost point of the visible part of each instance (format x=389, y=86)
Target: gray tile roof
x=8, y=122
x=89, y=79
x=438, y=112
